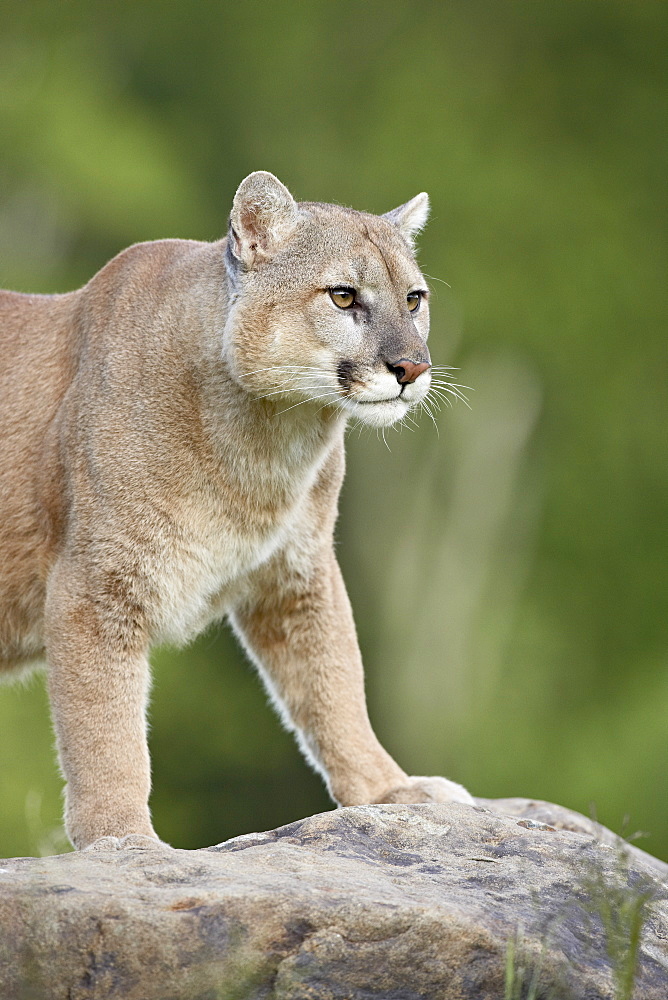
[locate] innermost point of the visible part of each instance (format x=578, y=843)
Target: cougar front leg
x=301, y=634
x=98, y=678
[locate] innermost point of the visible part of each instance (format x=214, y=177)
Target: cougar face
x=328, y=307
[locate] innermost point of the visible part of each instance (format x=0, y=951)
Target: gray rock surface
x=392, y=902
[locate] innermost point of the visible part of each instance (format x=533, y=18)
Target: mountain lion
x=172, y=453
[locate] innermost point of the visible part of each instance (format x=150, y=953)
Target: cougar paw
x=131, y=842
x=428, y=790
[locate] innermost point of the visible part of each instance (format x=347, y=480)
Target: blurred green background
x=526, y=542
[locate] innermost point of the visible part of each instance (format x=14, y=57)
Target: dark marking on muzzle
x=345, y=373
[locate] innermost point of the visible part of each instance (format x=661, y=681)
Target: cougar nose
x=406, y=370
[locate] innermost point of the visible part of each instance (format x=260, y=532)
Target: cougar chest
x=228, y=532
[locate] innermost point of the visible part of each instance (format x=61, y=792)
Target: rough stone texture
x=394, y=902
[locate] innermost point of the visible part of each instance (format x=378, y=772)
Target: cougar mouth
x=373, y=402
x=376, y=412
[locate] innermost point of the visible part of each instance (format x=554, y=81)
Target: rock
x=566, y=819
x=385, y=902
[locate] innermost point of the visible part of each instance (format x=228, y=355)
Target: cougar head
x=327, y=305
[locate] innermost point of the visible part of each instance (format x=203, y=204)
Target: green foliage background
x=508, y=576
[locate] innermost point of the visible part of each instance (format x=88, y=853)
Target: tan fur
x=165, y=462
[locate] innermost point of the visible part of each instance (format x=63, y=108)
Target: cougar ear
x=411, y=217
x=264, y=214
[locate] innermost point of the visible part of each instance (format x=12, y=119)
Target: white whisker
x=435, y=395
x=401, y=425
x=434, y=278
x=288, y=369
x=445, y=397
x=309, y=399
x=291, y=388
x=332, y=403
x=382, y=431
x=452, y=391
x=441, y=380
x=431, y=405
x=425, y=407
x=435, y=402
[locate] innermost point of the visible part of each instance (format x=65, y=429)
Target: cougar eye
x=413, y=300
x=342, y=297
